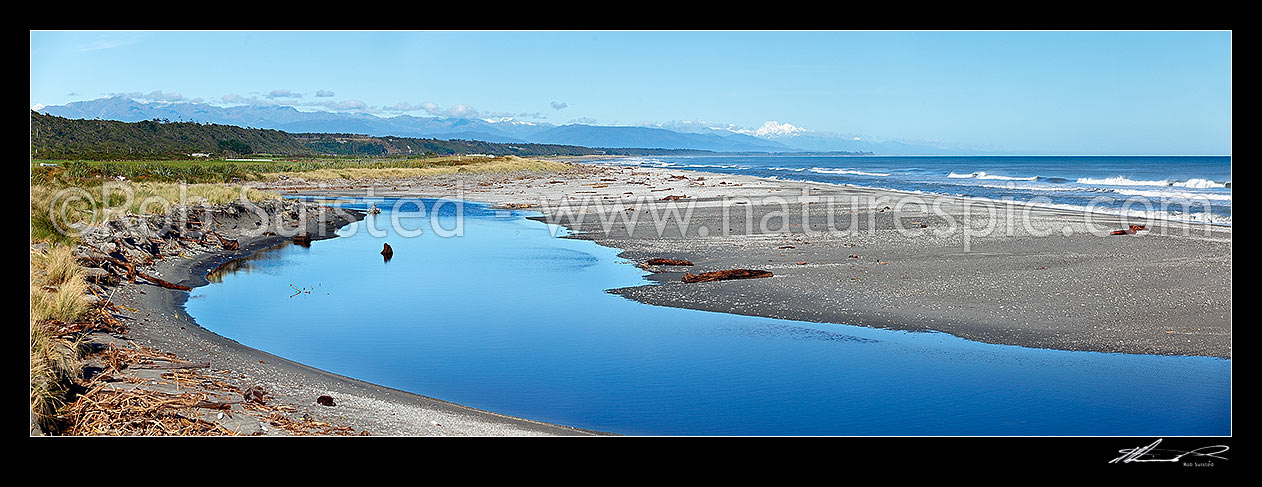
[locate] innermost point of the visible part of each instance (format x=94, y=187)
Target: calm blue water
x=511, y=319
x=1181, y=188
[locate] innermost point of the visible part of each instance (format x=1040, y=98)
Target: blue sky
x=1128, y=92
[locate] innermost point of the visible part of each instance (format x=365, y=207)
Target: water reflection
x=248, y=263
x=510, y=319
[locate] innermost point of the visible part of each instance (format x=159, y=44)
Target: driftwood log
x=668, y=262
x=131, y=272
x=725, y=275
x=171, y=365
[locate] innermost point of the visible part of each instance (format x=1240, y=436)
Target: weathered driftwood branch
x=171, y=365
x=725, y=275
x=668, y=262
x=228, y=244
x=132, y=273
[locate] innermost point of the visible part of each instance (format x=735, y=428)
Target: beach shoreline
x=1163, y=291
x=156, y=319
x=812, y=271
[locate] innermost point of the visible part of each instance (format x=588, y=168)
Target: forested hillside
x=60, y=138
x=55, y=137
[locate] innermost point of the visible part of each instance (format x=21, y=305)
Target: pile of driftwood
x=123, y=255
x=139, y=411
x=107, y=410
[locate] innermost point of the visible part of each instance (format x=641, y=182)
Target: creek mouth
x=511, y=319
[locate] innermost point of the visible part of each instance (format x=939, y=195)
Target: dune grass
x=75, y=172
x=57, y=296
x=430, y=167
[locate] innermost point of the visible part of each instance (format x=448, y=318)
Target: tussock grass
x=60, y=266
x=57, y=296
x=62, y=303
x=435, y=167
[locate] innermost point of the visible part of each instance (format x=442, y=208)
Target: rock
x=668, y=262
x=725, y=275
x=100, y=276
x=325, y=401
x=387, y=251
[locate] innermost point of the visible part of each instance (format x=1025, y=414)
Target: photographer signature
x=1151, y=453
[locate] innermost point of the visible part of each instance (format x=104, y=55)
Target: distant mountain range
x=291, y=120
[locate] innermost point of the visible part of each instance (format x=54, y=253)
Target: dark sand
x=1056, y=279
x=156, y=319
x=1163, y=291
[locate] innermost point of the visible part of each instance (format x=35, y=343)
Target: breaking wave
x=984, y=175
x=1195, y=183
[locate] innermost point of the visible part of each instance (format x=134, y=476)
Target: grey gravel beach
x=156, y=320
x=1022, y=275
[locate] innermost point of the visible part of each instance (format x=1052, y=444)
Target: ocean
x=1190, y=189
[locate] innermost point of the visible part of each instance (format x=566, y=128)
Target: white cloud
x=323, y=93
x=153, y=96
x=235, y=99
x=102, y=44
x=556, y=105
x=460, y=110
x=284, y=94
x=776, y=129
x=37, y=107
x=350, y=105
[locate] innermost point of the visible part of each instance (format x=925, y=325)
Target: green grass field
x=73, y=192
x=224, y=171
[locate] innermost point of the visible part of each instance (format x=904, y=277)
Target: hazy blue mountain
x=292, y=120
x=823, y=142
x=816, y=141
x=600, y=136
